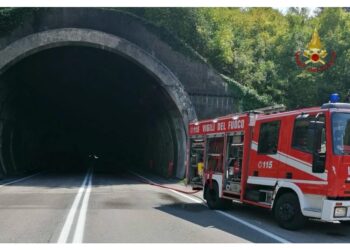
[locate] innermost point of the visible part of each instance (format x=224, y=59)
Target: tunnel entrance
x=64, y=104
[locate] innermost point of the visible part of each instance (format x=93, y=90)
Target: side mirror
x=318, y=160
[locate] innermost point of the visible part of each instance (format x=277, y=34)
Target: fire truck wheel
x=213, y=199
x=287, y=212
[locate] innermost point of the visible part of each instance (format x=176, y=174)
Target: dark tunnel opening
x=64, y=104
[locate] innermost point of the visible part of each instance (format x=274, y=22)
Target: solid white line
x=69, y=220
x=79, y=230
x=271, y=235
x=18, y=180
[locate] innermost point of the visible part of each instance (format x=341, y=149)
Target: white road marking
x=197, y=200
x=256, y=228
x=69, y=220
x=79, y=230
x=18, y=180
x=271, y=235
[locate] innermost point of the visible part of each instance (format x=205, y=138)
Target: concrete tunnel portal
x=70, y=93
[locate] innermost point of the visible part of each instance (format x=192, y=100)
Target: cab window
x=268, y=137
x=304, y=136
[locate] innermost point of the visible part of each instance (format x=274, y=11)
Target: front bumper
x=328, y=210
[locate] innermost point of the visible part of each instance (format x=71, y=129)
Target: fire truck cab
x=295, y=163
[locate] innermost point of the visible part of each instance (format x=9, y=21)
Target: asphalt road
x=104, y=208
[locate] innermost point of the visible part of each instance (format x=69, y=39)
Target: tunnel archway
x=69, y=92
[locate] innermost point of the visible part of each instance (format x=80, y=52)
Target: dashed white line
x=69, y=220
x=79, y=230
x=256, y=228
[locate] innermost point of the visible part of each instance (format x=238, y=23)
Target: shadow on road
x=202, y=216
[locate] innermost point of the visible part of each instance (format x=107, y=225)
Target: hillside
x=255, y=47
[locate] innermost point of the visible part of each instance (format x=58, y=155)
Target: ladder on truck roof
x=269, y=109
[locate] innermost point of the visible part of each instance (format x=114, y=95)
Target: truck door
x=264, y=165
x=297, y=165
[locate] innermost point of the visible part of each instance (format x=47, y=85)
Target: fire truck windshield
x=341, y=133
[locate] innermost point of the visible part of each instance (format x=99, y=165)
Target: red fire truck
x=296, y=163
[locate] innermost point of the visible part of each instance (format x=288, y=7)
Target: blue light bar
x=334, y=98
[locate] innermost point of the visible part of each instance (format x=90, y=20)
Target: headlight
x=340, y=211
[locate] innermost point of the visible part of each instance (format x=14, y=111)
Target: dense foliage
x=256, y=47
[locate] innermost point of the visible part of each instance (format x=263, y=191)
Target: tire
x=345, y=222
x=213, y=200
x=287, y=212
